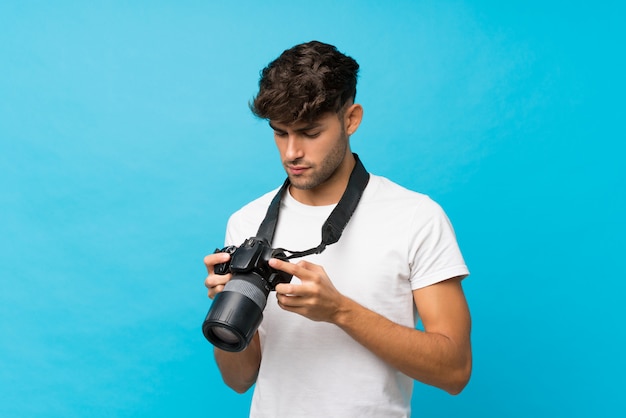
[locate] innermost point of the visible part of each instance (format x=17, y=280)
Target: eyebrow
x=305, y=128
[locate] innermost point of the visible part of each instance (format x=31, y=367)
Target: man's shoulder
x=399, y=202
x=385, y=190
x=256, y=207
x=245, y=221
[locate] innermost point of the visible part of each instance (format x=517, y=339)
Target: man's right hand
x=215, y=282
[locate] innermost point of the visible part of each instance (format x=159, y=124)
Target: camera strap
x=336, y=222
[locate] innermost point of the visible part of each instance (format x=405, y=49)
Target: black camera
x=237, y=311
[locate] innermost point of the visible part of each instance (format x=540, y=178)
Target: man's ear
x=353, y=117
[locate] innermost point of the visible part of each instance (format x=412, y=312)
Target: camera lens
x=236, y=312
x=225, y=335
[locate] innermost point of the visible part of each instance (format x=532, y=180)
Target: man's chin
x=300, y=183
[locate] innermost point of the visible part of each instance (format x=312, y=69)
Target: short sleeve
x=434, y=252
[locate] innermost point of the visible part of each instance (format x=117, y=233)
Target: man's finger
x=281, y=265
x=216, y=258
x=291, y=268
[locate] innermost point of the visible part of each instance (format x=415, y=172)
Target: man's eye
x=312, y=134
x=280, y=134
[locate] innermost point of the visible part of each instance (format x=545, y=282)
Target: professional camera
x=237, y=311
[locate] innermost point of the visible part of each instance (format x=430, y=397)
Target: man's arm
x=239, y=370
x=439, y=356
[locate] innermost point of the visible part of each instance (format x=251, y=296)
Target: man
x=340, y=339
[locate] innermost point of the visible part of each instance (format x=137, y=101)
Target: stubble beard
x=326, y=170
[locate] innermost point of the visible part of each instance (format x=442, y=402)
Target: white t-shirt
x=396, y=241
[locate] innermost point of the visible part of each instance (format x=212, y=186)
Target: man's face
x=311, y=152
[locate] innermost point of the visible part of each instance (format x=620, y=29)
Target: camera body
x=237, y=311
x=253, y=256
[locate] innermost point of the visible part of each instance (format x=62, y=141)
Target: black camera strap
x=336, y=222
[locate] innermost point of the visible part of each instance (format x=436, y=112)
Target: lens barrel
x=236, y=312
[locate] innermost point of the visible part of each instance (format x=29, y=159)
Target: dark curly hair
x=305, y=82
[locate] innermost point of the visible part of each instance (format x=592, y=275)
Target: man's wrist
x=344, y=312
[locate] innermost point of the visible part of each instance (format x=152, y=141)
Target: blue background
x=126, y=141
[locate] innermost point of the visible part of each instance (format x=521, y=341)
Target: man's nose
x=294, y=148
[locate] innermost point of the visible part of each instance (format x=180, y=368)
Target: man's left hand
x=315, y=298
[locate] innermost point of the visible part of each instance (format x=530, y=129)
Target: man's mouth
x=296, y=170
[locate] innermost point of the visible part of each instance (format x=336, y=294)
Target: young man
x=340, y=339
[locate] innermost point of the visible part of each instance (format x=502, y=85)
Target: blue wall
x=125, y=143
